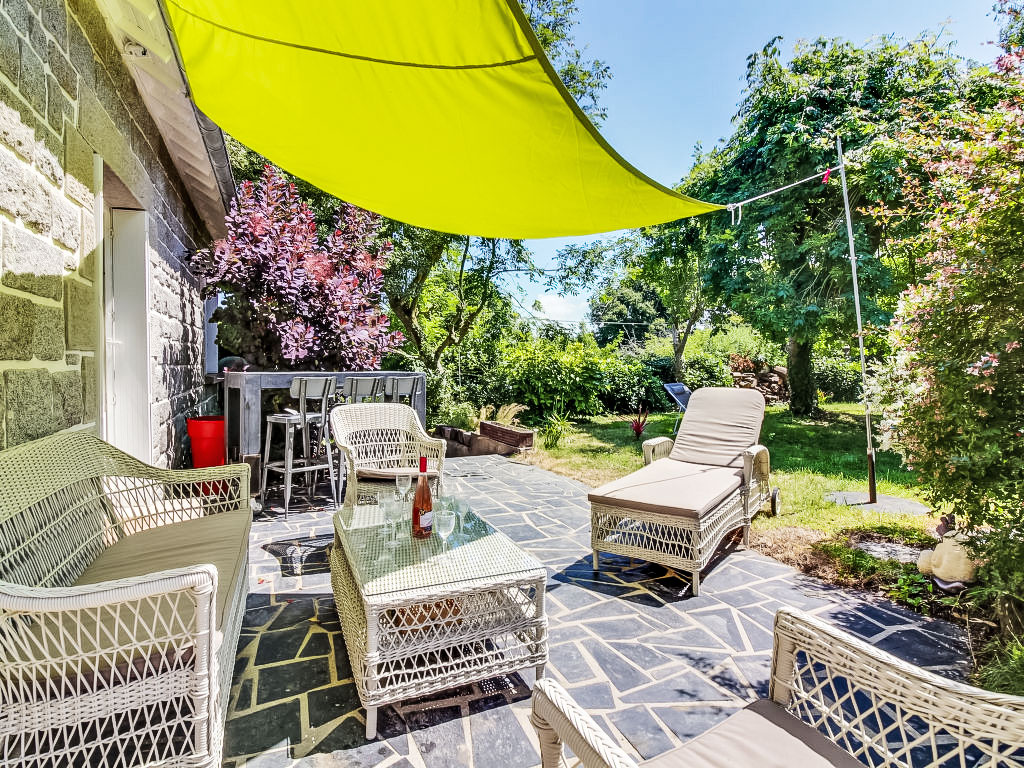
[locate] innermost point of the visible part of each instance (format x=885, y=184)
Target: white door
x=126, y=289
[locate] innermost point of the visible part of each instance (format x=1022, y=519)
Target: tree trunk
x=679, y=339
x=803, y=394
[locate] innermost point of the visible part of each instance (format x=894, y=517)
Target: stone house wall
x=66, y=94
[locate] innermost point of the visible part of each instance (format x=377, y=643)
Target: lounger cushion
x=763, y=735
x=670, y=487
x=720, y=424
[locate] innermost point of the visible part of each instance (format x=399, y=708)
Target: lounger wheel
x=776, y=502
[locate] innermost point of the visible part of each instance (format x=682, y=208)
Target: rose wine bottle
x=422, y=505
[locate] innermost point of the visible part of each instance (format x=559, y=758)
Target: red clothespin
x=827, y=174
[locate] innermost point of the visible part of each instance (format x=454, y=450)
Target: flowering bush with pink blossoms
x=291, y=300
x=953, y=394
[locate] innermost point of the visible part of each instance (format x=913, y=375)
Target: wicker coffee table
x=429, y=618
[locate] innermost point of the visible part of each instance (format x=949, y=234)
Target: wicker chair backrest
x=379, y=434
x=55, y=514
x=720, y=424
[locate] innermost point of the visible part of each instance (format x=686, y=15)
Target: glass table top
x=420, y=564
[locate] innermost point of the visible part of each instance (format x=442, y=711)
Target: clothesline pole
x=872, y=487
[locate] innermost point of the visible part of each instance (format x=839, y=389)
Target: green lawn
x=810, y=456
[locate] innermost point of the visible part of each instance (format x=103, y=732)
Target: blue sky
x=678, y=66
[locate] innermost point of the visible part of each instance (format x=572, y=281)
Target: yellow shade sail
x=444, y=114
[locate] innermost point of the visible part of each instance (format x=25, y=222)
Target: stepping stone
x=886, y=504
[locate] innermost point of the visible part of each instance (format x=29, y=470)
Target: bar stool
x=359, y=389
x=402, y=389
x=305, y=421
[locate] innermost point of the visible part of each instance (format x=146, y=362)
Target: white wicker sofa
x=835, y=701
x=692, y=491
x=122, y=588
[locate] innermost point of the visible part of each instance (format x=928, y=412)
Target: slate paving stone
x=317, y=644
x=763, y=616
x=756, y=670
x=260, y=616
x=439, y=737
x=293, y=614
x=792, y=595
x=853, y=620
x=741, y=597
x=721, y=623
x=689, y=722
x=256, y=601
x=920, y=648
x=244, y=698
x=641, y=654
x=701, y=659
x=279, y=646
x=347, y=745
x=688, y=686
x=761, y=566
x=326, y=704
x=285, y=680
x=342, y=665
x=277, y=759
x=622, y=674
x=263, y=730
x=760, y=639
x=593, y=696
x=724, y=577
x=499, y=740
x=642, y=731
x=569, y=662
x=572, y=597
x=617, y=629
x=725, y=677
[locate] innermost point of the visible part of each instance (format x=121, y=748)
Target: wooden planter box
x=518, y=437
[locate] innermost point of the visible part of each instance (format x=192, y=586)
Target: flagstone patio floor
x=654, y=665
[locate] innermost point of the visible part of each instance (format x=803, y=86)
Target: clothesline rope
x=734, y=207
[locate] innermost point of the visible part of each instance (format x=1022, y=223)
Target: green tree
x=784, y=266
x=625, y=309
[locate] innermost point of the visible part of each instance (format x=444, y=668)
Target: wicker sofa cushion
x=670, y=487
x=763, y=735
x=720, y=424
x=221, y=540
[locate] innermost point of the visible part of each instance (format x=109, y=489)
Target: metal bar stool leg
x=289, y=458
x=266, y=464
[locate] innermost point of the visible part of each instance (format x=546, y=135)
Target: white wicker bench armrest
x=557, y=719
x=756, y=464
x=810, y=653
x=199, y=579
x=657, y=448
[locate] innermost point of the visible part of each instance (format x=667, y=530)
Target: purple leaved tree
x=291, y=300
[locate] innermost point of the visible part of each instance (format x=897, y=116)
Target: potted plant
x=505, y=426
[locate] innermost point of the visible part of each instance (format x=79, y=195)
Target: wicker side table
x=426, y=619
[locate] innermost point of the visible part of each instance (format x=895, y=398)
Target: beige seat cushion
x=221, y=540
x=720, y=424
x=763, y=735
x=70, y=643
x=390, y=473
x=671, y=487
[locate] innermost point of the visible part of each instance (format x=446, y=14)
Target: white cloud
x=564, y=309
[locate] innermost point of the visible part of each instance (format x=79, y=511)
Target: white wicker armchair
x=693, y=491
x=122, y=588
x=380, y=441
x=834, y=700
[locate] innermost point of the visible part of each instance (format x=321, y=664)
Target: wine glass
x=444, y=523
x=461, y=507
x=403, y=483
x=393, y=516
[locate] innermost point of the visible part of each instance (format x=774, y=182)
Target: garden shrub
x=631, y=384
x=549, y=376
x=839, y=379
x=953, y=394
x=705, y=370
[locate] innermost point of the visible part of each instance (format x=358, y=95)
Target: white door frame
x=127, y=405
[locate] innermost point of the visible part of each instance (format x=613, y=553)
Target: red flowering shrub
x=289, y=299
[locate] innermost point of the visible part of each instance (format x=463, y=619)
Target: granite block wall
x=65, y=96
